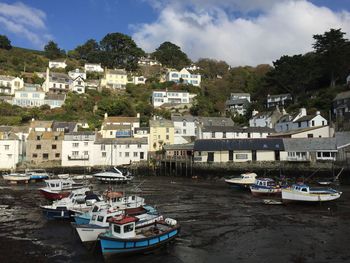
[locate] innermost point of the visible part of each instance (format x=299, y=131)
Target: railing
x=297, y=159
x=78, y=157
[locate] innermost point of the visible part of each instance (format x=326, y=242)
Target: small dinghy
x=15, y=178
x=272, y=202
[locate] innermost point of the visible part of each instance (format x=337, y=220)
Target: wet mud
x=218, y=224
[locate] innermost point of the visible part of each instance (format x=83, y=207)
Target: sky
x=240, y=32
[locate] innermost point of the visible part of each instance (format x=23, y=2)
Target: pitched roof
x=116, y=71
x=238, y=144
x=238, y=129
x=305, y=118
x=7, y=78
x=342, y=139
x=54, y=96
x=161, y=123
x=237, y=101
x=280, y=95
x=67, y=126
x=41, y=124
x=121, y=141
x=186, y=146
x=309, y=144
x=115, y=127
x=45, y=135
x=343, y=95
x=292, y=132
x=120, y=119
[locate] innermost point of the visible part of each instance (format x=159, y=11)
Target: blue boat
x=124, y=238
x=37, y=174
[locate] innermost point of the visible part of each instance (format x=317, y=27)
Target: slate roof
x=342, y=95
x=121, y=141
x=305, y=118
x=53, y=96
x=161, y=123
x=41, y=124
x=187, y=146
x=120, y=119
x=292, y=132
x=288, y=95
x=8, y=136
x=309, y=144
x=67, y=126
x=238, y=144
x=216, y=121
x=116, y=127
x=342, y=139
x=45, y=135
x=237, y=129
x=7, y=78
x=237, y=102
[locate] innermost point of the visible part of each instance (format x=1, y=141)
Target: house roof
x=120, y=119
x=41, y=124
x=292, y=132
x=8, y=136
x=309, y=144
x=81, y=133
x=115, y=127
x=67, y=126
x=5, y=128
x=45, y=135
x=7, y=78
x=342, y=139
x=161, y=123
x=238, y=129
x=280, y=95
x=216, y=121
x=53, y=96
x=240, y=94
x=121, y=141
x=116, y=71
x=342, y=95
x=238, y=144
x=305, y=118
x=187, y=146
x=237, y=101
x=142, y=129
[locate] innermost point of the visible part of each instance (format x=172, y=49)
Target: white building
x=278, y=100
x=138, y=80
x=56, y=82
x=161, y=97
x=89, y=67
x=227, y=132
x=238, y=103
x=78, y=149
x=311, y=132
x=77, y=73
x=265, y=119
x=114, y=79
x=120, y=151
x=148, y=62
x=10, y=150
x=9, y=84
x=57, y=64
x=119, y=126
x=301, y=121
x=33, y=96
x=78, y=85
x=184, y=76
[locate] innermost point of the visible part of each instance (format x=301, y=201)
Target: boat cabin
x=102, y=219
x=301, y=188
x=266, y=182
x=58, y=185
x=123, y=227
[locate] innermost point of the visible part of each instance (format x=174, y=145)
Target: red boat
x=59, y=188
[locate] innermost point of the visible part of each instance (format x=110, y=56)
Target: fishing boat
x=99, y=223
x=16, y=178
x=114, y=201
x=56, y=189
x=305, y=193
x=123, y=237
x=113, y=175
x=37, y=174
x=79, y=201
x=242, y=181
x=265, y=186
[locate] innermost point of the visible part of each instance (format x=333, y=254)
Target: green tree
x=88, y=51
x=119, y=51
x=171, y=56
x=52, y=51
x=211, y=68
x=334, y=54
x=5, y=43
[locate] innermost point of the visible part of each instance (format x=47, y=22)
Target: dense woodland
x=313, y=79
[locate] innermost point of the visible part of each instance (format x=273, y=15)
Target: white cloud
x=280, y=28
x=24, y=21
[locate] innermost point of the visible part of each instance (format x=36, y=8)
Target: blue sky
x=236, y=24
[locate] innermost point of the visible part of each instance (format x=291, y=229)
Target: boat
x=113, y=175
x=272, y=202
x=16, y=178
x=265, y=186
x=305, y=193
x=37, y=174
x=114, y=201
x=79, y=201
x=56, y=189
x=63, y=176
x=99, y=223
x=242, y=181
x=124, y=238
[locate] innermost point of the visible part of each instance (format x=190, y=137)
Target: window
x=75, y=144
x=128, y=228
x=7, y=147
x=116, y=229
x=86, y=153
x=210, y=157
x=322, y=123
x=167, y=137
x=241, y=156
x=167, y=130
x=57, y=155
x=299, y=124
x=142, y=156
x=310, y=135
x=126, y=154
x=38, y=146
x=224, y=135
x=35, y=155
x=230, y=155
x=38, y=138
x=127, y=146
x=184, y=124
x=110, y=133
x=184, y=131
x=86, y=143
x=313, y=123
x=54, y=146
x=75, y=153
x=213, y=134
x=104, y=154
x=103, y=147
x=136, y=154
x=139, y=145
x=56, y=138
x=45, y=156
x=100, y=218
x=120, y=154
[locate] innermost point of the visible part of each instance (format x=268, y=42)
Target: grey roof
x=7, y=78
x=240, y=94
x=187, y=146
x=216, y=121
x=5, y=128
x=238, y=144
x=288, y=95
x=122, y=141
x=343, y=95
x=306, y=118
x=309, y=144
x=285, y=118
x=81, y=133
x=292, y=132
x=161, y=123
x=116, y=71
x=67, y=126
x=237, y=129
x=53, y=96
x=237, y=102
x=142, y=129
x=342, y=139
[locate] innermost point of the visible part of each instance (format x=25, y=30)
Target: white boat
x=113, y=175
x=37, y=174
x=99, y=223
x=265, y=186
x=63, y=176
x=59, y=188
x=244, y=180
x=305, y=193
x=16, y=178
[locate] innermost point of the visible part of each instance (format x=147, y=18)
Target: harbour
x=217, y=223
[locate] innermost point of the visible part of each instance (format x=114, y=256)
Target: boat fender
x=170, y=221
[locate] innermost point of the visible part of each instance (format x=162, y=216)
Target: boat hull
x=114, y=246
x=239, y=185
x=290, y=196
x=82, y=219
x=265, y=191
x=39, y=177
x=56, y=213
x=54, y=195
x=89, y=233
x=17, y=179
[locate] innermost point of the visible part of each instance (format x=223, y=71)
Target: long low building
x=265, y=150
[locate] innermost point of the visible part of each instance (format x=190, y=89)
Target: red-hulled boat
x=59, y=188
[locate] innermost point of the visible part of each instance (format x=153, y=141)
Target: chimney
x=106, y=115
x=318, y=112
x=33, y=119
x=138, y=115
x=47, y=81
x=284, y=112
x=254, y=112
x=302, y=112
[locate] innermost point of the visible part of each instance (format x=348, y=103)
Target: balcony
x=298, y=159
x=78, y=157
